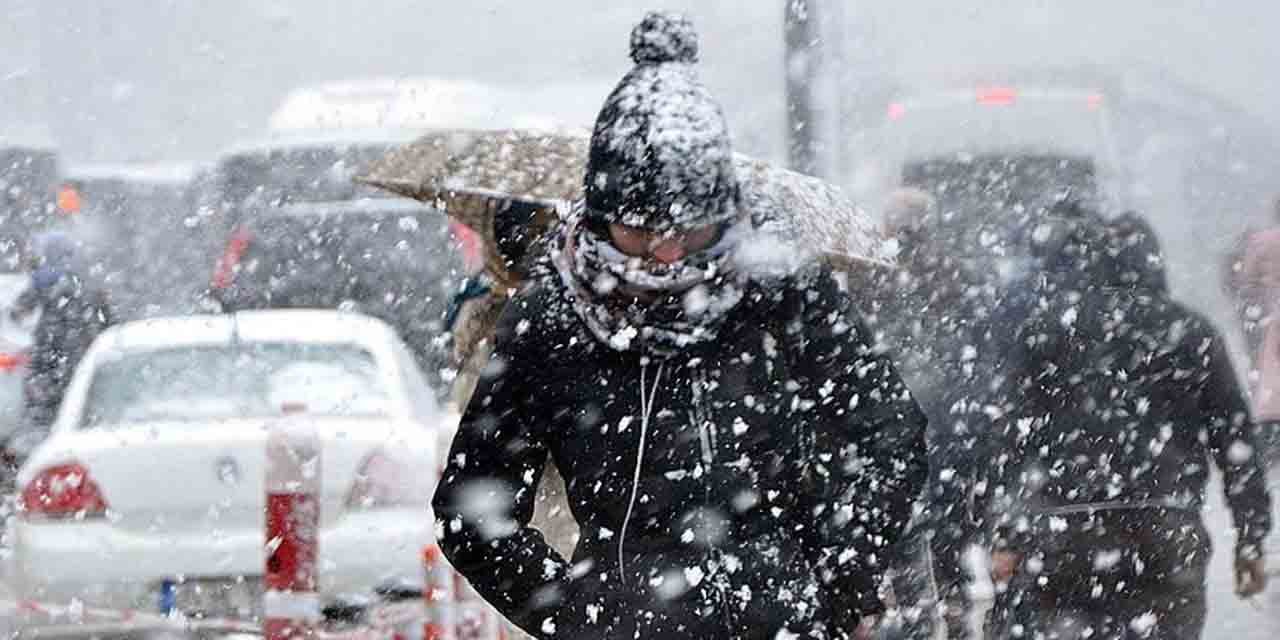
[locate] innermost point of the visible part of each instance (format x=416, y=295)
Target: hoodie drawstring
x=647, y=398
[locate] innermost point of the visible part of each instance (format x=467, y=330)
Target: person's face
x=665, y=248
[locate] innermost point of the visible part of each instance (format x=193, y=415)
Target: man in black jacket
x=736, y=454
x=934, y=314
x=72, y=314
x=1117, y=399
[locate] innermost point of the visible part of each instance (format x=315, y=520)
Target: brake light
x=997, y=96
x=10, y=362
x=382, y=482
x=897, y=110
x=225, y=273
x=64, y=491
x=1095, y=101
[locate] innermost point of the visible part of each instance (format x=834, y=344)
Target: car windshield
x=248, y=380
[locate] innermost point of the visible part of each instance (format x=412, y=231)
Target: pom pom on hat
x=664, y=37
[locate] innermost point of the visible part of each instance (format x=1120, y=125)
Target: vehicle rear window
x=298, y=174
x=1023, y=126
x=377, y=239
x=249, y=380
x=371, y=258
x=984, y=181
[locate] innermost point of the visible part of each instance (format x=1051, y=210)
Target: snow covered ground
x=1230, y=617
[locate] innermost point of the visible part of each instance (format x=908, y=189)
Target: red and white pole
x=438, y=594
x=291, y=606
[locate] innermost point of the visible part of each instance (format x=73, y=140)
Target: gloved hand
x=1251, y=572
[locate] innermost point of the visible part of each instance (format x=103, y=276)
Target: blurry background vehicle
x=153, y=475
x=416, y=104
x=1001, y=122
x=1201, y=168
x=390, y=258
x=303, y=167
x=296, y=231
x=996, y=158
x=28, y=179
x=126, y=215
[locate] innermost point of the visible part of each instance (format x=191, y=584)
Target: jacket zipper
x=709, y=448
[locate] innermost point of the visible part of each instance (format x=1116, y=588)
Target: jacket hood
x=1132, y=256
x=1123, y=252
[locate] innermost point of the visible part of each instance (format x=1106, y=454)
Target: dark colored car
x=28, y=180
x=281, y=170
x=996, y=158
x=390, y=258
x=133, y=221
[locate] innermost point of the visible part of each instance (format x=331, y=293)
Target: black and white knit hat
x=660, y=155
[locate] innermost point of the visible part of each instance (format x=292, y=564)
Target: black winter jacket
x=770, y=470
x=1119, y=397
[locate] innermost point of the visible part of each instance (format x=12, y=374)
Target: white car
x=149, y=492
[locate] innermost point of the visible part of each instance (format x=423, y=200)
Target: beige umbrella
x=511, y=185
x=506, y=185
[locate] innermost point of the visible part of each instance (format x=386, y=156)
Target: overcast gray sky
x=178, y=79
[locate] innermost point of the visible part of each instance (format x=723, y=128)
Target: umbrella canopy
x=510, y=187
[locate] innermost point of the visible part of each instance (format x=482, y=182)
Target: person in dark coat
x=736, y=454
x=1116, y=401
x=72, y=314
x=930, y=314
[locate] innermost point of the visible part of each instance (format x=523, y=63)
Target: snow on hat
x=660, y=155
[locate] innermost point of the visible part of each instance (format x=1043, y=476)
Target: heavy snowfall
x=771, y=319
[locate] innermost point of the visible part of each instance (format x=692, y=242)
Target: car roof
x=378, y=206
x=36, y=140
x=141, y=173
x=424, y=103
x=321, y=139
x=278, y=325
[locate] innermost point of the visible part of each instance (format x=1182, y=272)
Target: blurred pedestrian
x=1116, y=401
x=72, y=314
x=1255, y=280
x=736, y=454
x=931, y=314
x=1243, y=294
